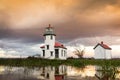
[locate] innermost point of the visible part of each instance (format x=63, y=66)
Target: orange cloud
x=24, y=13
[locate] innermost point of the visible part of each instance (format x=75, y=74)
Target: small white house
x=102, y=51
x=52, y=49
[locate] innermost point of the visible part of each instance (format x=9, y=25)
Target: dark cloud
x=16, y=48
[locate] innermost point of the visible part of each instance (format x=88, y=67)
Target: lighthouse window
x=51, y=53
x=51, y=37
x=47, y=46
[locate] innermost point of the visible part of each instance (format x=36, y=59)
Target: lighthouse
x=52, y=49
x=49, y=41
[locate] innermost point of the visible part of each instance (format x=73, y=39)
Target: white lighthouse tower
x=49, y=42
x=51, y=48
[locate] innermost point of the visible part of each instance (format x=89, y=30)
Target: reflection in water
x=36, y=73
x=53, y=73
x=106, y=72
x=83, y=72
x=59, y=73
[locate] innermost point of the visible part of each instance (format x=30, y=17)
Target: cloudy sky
x=85, y=22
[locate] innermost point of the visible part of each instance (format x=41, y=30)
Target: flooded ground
x=60, y=73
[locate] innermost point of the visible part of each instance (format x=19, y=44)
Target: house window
x=47, y=46
x=64, y=53
x=51, y=53
x=43, y=52
x=51, y=37
x=56, y=53
x=61, y=52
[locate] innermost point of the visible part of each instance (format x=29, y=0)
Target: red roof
x=57, y=44
x=103, y=45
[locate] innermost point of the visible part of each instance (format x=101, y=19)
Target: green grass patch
x=45, y=62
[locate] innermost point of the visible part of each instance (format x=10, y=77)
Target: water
x=62, y=72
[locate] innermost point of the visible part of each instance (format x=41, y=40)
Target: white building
x=102, y=51
x=52, y=49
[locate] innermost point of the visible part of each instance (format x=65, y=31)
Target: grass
x=45, y=62
x=38, y=62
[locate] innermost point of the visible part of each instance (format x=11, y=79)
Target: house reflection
x=106, y=72
x=54, y=73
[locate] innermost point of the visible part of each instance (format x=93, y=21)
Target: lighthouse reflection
x=54, y=73
x=33, y=73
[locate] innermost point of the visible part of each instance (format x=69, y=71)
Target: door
x=56, y=53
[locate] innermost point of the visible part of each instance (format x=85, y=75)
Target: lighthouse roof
x=57, y=45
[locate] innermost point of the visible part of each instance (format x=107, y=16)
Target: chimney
x=101, y=42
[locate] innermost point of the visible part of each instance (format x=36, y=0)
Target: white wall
x=51, y=43
x=101, y=53
x=108, y=54
x=62, y=53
